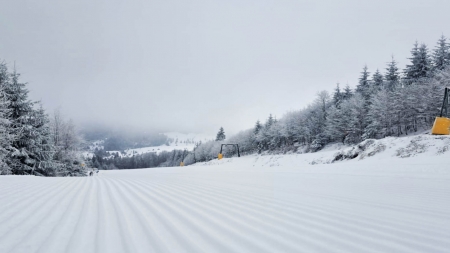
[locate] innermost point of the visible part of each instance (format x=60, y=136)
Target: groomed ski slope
x=250, y=204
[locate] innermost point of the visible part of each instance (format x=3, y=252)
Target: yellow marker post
x=220, y=156
x=441, y=126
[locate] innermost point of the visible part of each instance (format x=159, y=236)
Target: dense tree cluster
x=31, y=142
x=110, y=161
x=389, y=104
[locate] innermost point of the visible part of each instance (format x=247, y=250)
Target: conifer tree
x=6, y=138
x=347, y=92
x=380, y=115
x=441, y=54
x=41, y=149
x=257, y=128
x=269, y=122
x=337, y=96
x=424, y=61
x=19, y=113
x=420, y=66
x=363, y=86
x=32, y=150
x=220, y=135
x=392, y=75
x=377, y=79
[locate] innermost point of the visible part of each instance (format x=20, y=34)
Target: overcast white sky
x=198, y=65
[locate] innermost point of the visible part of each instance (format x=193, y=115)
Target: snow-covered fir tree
x=441, y=54
x=392, y=76
x=420, y=66
x=20, y=111
x=269, y=122
x=338, y=96
x=347, y=94
x=40, y=149
x=363, y=86
x=6, y=137
x=377, y=80
x=257, y=127
x=380, y=115
x=220, y=135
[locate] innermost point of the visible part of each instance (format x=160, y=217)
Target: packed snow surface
x=247, y=204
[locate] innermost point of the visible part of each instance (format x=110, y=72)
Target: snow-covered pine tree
x=274, y=136
x=220, y=135
x=420, y=66
x=257, y=127
x=6, y=138
x=255, y=143
x=335, y=128
x=41, y=149
x=377, y=80
x=380, y=115
x=425, y=64
x=19, y=113
x=441, y=54
x=347, y=94
x=317, y=120
x=392, y=75
x=358, y=118
x=337, y=96
x=363, y=86
x=411, y=71
x=31, y=151
x=269, y=122
x=263, y=137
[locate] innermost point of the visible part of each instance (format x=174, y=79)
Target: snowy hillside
x=396, y=200
x=176, y=141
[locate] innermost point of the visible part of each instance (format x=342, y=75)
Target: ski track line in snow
x=271, y=238
x=238, y=227
x=83, y=237
x=20, y=202
x=416, y=245
x=34, y=220
x=164, y=222
x=113, y=236
x=20, y=213
x=361, y=202
x=373, y=234
x=187, y=219
x=27, y=191
x=124, y=229
x=326, y=220
x=64, y=227
x=313, y=208
x=146, y=236
x=346, y=199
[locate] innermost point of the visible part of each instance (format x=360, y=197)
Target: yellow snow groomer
x=442, y=124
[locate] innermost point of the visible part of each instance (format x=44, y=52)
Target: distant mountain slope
x=175, y=141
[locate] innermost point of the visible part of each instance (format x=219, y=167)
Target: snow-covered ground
x=290, y=203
